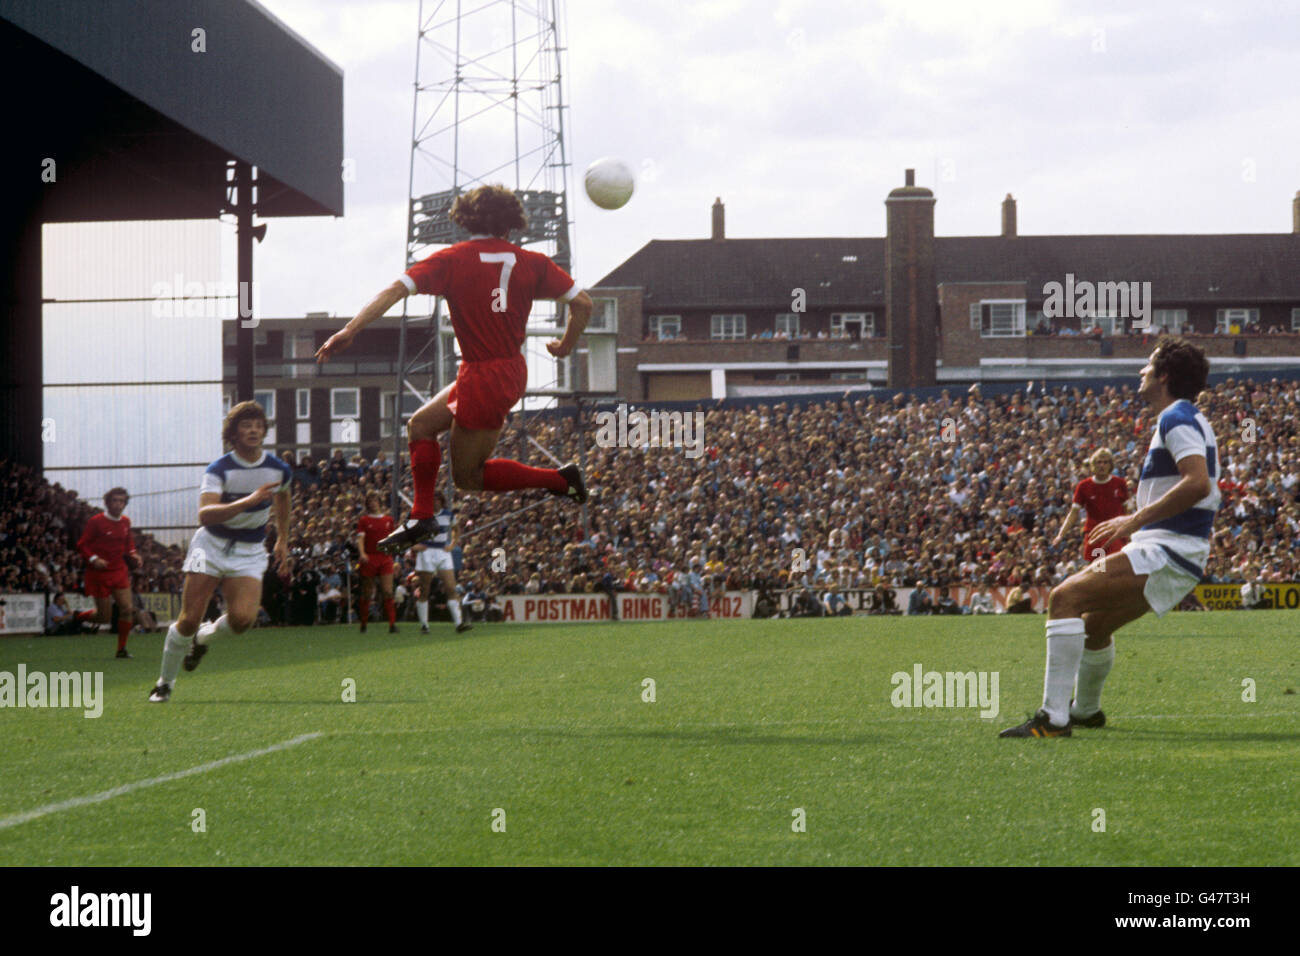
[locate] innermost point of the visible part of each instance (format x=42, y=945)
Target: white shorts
x=1168, y=570
x=434, y=559
x=223, y=558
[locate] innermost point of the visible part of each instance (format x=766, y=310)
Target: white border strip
x=28, y=816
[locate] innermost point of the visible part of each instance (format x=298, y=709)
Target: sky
x=1179, y=117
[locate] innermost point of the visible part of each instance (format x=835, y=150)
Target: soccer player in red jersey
x=489, y=285
x=1101, y=496
x=107, y=546
x=373, y=527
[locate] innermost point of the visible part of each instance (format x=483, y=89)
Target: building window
x=303, y=399
x=1172, y=321
x=849, y=376
x=345, y=402
x=999, y=318
x=303, y=433
x=1235, y=321
x=727, y=327
x=1295, y=320
x=664, y=327
x=301, y=346
x=853, y=325
x=787, y=324
x=604, y=315
x=410, y=405
x=267, y=400
x=787, y=376
x=1108, y=322
x=226, y=402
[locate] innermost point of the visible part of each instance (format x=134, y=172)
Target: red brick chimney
x=1008, y=217
x=719, y=219
x=911, y=293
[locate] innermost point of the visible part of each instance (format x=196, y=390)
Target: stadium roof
x=141, y=124
x=760, y=273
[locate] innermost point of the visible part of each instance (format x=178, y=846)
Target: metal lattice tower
x=488, y=108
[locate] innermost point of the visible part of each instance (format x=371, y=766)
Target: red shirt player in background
x=107, y=546
x=1101, y=496
x=489, y=285
x=373, y=527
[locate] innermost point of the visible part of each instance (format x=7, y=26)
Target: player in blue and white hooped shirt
x=1177, y=497
x=432, y=556
x=239, y=491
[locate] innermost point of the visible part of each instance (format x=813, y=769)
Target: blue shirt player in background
x=239, y=491
x=1177, y=496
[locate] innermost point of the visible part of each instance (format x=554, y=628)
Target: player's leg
x=425, y=579
x=103, y=610
x=1098, y=659
x=429, y=421
x=195, y=595
x=1108, y=584
x=448, y=576
x=472, y=470
x=125, y=618
x=386, y=588
x=367, y=591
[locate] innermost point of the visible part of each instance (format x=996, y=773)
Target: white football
x=609, y=183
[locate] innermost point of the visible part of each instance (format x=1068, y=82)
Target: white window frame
x=1172, y=321
x=299, y=395
x=1223, y=318
x=864, y=320
x=849, y=376
x=728, y=326
x=659, y=324
x=335, y=414
x=790, y=318
x=604, y=315
x=1017, y=318
x=268, y=407
x=227, y=400
x=1295, y=320
x=387, y=400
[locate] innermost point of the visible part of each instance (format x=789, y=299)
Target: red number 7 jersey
x=489, y=285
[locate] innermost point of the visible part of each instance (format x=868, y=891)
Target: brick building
x=714, y=317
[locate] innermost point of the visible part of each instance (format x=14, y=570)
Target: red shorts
x=1113, y=546
x=383, y=564
x=102, y=584
x=485, y=392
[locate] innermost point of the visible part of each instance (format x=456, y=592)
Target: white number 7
x=507, y=260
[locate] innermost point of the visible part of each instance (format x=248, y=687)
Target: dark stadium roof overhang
x=141, y=126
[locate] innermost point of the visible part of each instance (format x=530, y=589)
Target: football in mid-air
x=609, y=183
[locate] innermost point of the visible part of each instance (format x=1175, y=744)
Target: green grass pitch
x=545, y=728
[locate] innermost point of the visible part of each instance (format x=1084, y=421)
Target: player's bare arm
x=1191, y=488
x=579, y=315
x=371, y=311
x=281, y=505
x=1071, y=519
x=212, y=511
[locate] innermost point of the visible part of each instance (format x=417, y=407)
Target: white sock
x=422, y=612
x=454, y=607
x=1065, y=638
x=175, y=647
x=214, y=629
x=1092, y=674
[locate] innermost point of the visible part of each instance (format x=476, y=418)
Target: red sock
x=502, y=474
x=390, y=610
x=426, y=458
x=123, y=631
x=83, y=616
x=364, y=610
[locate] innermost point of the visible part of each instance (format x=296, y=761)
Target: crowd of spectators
x=858, y=493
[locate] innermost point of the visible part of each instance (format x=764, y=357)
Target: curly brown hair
x=489, y=210
x=229, y=428
x=115, y=491
x=1185, y=365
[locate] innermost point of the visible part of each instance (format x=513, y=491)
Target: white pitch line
x=28, y=816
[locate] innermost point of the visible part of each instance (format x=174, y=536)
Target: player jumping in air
x=107, y=546
x=1177, y=497
x=489, y=285
x=372, y=527
x=1100, y=496
x=239, y=490
x=432, y=556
